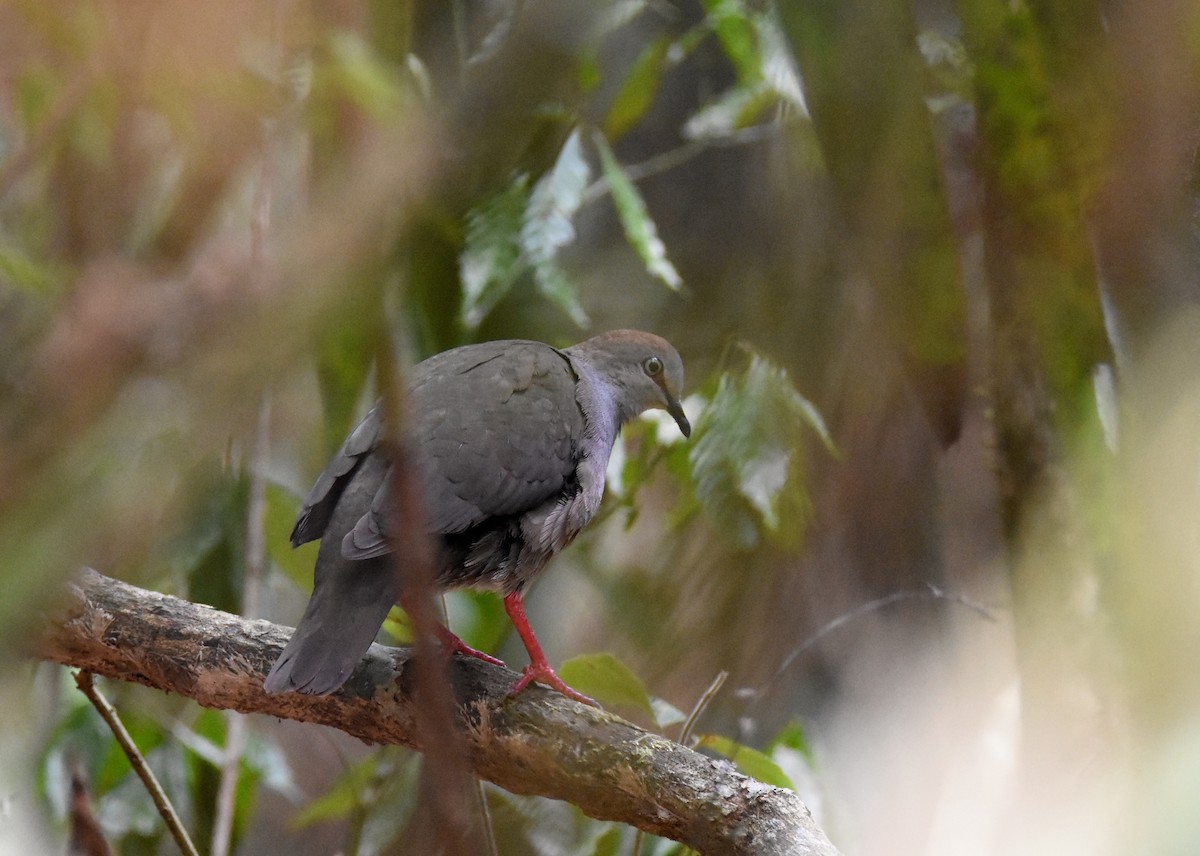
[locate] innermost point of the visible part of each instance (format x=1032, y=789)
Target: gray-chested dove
x=512, y=441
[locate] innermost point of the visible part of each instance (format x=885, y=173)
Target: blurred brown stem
x=16, y=165
x=444, y=823
x=87, y=838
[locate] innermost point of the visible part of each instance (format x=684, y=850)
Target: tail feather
x=347, y=609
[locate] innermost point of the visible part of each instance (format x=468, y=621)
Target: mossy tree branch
x=536, y=743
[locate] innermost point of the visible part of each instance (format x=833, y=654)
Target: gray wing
x=494, y=427
x=318, y=506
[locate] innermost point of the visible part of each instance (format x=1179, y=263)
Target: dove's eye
x=653, y=366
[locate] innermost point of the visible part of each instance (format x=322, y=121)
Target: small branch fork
x=538, y=742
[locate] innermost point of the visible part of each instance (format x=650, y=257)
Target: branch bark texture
x=535, y=743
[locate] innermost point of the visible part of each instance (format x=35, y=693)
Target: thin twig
x=685, y=732
x=84, y=680
x=672, y=158
x=226, y=800
x=929, y=592
x=485, y=817
x=637, y=842
x=702, y=703
x=689, y=724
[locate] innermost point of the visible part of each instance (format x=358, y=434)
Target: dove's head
x=642, y=370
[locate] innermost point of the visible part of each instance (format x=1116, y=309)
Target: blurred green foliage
x=747, y=455
x=184, y=748
x=144, y=144
x=205, y=206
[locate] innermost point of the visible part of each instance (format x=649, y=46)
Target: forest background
x=934, y=274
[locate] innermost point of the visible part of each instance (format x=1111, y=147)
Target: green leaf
x=949, y=65
x=398, y=626
x=608, y=843
x=547, y=226
x=281, y=509
x=606, y=679
x=637, y=92
x=793, y=737
x=205, y=738
x=639, y=228
x=812, y=417
x=80, y=736
x=345, y=353
x=645, y=446
x=750, y=761
x=129, y=814
x=19, y=270
x=555, y=199
x=35, y=90
x=346, y=794
x=209, y=549
x=588, y=70
x=730, y=111
x=491, y=258
x=265, y=757
x=552, y=282
x=478, y=617
x=747, y=455
x=361, y=75
x=665, y=713
x=146, y=734
x=737, y=31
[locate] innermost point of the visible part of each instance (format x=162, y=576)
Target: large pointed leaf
x=345, y=352
x=362, y=75
x=554, y=284
x=297, y=563
x=637, y=93
x=736, y=30
x=553, y=203
x=793, y=737
x=750, y=761
x=547, y=226
x=729, y=112
x=491, y=260
x=747, y=457
x=608, y=843
x=344, y=796
x=640, y=230
x=608, y=680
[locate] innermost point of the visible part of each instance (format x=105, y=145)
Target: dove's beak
x=676, y=411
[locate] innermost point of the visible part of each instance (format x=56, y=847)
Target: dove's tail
x=347, y=609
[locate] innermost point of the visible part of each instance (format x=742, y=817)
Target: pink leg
x=454, y=645
x=538, y=669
